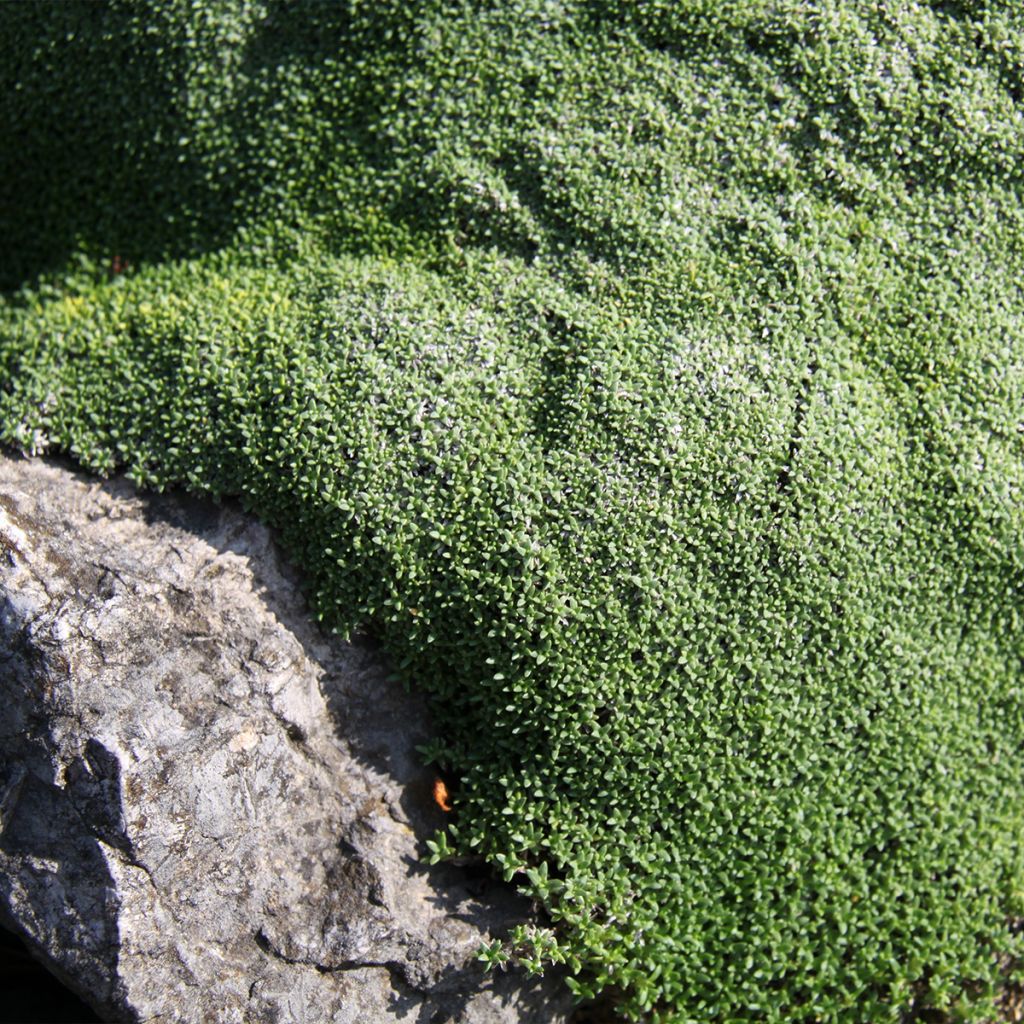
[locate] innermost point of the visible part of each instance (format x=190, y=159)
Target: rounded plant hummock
x=649, y=377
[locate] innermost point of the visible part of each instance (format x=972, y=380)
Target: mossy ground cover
x=648, y=376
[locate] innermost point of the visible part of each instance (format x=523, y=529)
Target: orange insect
x=441, y=795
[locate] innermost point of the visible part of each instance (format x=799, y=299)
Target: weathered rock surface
x=209, y=811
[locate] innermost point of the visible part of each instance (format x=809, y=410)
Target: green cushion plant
x=649, y=376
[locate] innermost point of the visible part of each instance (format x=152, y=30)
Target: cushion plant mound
x=649, y=376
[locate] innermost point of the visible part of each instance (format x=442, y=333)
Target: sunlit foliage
x=649, y=377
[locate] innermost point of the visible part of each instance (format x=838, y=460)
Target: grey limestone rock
x=209, y=810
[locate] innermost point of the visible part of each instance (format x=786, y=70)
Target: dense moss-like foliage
x=649, y=375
